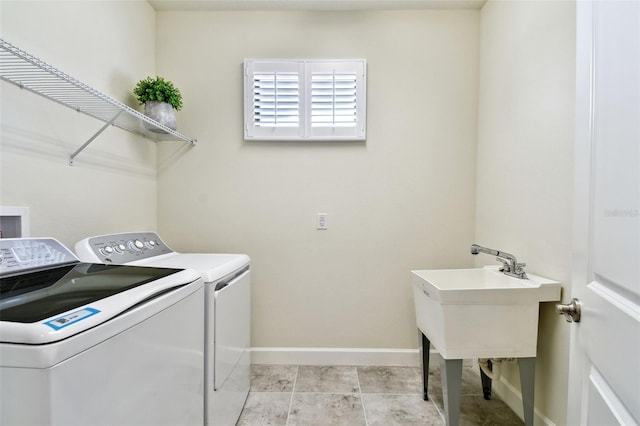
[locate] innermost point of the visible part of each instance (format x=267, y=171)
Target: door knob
x=571, y=311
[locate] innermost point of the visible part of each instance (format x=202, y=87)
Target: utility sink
x=480, y=313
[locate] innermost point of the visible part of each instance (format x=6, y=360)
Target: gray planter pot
x=162, y=112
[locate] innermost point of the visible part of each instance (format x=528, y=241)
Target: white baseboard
x=338, y=356
x=513, y=398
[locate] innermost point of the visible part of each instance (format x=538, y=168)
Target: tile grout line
x=438, y=410
x=364, y=411
x=430, y=396
x=293, y=389
x=442, y=416
x=355, y=393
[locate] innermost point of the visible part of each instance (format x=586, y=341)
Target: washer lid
x=52, y=304
x=211, y=266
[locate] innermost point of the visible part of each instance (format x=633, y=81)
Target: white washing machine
x=227, y=327
x=94, y=344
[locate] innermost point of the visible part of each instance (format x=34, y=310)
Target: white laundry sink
x=480, y=313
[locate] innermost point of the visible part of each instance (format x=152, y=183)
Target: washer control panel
x=121, y=248
x=21, y=254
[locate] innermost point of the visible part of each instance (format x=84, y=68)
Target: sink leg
x=486, y=382
x=425, y=364
x=451, y=371
x=527, y=368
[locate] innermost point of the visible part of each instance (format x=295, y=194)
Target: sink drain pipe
x=493, y=372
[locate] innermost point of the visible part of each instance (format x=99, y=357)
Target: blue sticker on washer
x=72, y=318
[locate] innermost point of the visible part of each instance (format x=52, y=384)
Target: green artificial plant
x=158, y=89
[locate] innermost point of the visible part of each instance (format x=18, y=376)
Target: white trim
x=582, y=194
x=339, y=356
x=324, y=5
x=513, y=398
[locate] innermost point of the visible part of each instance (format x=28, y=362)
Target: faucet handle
x=519, y=272
x=505, y=264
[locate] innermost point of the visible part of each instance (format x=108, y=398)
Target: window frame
x=306, y=130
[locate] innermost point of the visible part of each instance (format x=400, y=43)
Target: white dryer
x=97, y=344
x=227, y=328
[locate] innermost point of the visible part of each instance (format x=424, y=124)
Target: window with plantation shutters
x=305, y=99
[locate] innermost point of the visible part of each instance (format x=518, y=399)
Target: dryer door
x=232, y=329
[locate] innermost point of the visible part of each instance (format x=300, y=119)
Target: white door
x=604, y=379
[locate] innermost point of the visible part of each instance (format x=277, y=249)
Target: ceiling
x=314, y=4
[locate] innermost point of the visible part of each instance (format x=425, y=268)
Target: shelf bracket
x=95, y=135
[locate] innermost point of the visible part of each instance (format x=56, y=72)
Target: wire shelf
x=28, y=72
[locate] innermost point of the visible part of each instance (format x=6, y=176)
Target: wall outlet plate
x=321, y=222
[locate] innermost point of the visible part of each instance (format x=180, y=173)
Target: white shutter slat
x=276, y=99
x=334, y=99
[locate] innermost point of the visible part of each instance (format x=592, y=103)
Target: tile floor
x=353, y=396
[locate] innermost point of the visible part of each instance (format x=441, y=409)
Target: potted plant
x=161, y=99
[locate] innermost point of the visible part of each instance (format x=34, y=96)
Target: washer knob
x=119, y=248
x=106, y=251
x=136, y=245
x=151, y=244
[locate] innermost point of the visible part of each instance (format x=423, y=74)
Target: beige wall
x=112, y=187
x=408, y=198
x=525, y=162
x=403, y=200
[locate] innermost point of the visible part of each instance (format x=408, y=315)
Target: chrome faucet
x=510, y=264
